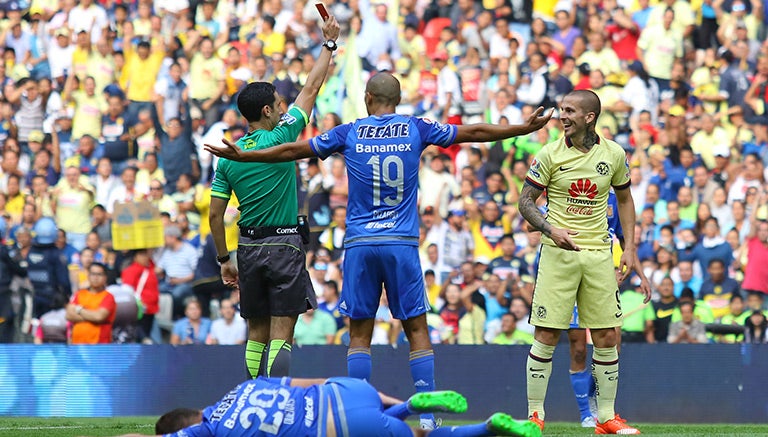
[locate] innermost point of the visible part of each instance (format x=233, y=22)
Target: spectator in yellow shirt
x=15, y=203
x=273, y=42
x=206, y=77
x=88, y=107
x=149, y=173
x=72, y=199
x=140, y=71
x=101, y=64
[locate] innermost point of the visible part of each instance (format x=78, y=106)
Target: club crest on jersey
x=324, y=136
x=602, y=168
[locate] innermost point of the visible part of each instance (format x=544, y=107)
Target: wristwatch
x=330, y=45
x=223, y=259
x=79, y=309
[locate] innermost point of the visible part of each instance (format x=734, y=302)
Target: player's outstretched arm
x=282, y=153
x=306, y=98
x=484, y=132
x=531, y=213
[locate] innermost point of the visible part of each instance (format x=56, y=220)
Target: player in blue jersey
x=326, y=408
x=581, y=379
x=382, y=154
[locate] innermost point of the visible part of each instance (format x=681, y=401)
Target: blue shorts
x=357, y=410
x=397, y=267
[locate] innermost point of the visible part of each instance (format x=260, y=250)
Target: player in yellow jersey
x=576, y=266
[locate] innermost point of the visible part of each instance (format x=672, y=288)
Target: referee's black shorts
x=273, y=277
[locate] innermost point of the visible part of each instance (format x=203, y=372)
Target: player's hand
x=562, y=237
x=626, y=264
x=229, y=275
x=538, y=119
x=229, y=151
x=331, y=28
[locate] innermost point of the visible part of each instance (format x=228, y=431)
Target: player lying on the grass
x=333, y=407
x=327, y=407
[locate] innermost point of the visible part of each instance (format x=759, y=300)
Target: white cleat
x=430, y=424
x=588, y=422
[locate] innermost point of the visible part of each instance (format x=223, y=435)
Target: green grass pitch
x=62, y=427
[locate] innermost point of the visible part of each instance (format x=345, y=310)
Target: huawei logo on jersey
x=583, y=187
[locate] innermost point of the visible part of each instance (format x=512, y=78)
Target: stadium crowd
x=111, y=101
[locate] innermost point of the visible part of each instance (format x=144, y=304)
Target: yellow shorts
x=586, y=278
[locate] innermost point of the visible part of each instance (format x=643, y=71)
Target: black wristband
x=222, y=259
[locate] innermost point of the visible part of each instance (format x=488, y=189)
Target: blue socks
x=399, y=411
x=422, y=363
x=359, y=363
x=582, y=383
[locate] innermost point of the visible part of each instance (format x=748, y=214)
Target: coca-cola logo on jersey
x=582, y=193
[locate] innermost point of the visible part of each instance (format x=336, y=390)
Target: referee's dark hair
x=253, y=98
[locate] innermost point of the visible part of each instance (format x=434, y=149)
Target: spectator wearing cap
x=377, y=36
x=60, y=53
x=740, y=40
x=175, y=266
x=660, y=44
x=206, y=77
x=741, y=13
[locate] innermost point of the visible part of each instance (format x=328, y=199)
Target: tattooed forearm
x=529, y=210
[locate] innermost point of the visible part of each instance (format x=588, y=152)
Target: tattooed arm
x=531, y=213
x=529, y=210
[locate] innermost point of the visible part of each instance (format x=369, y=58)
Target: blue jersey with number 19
x=382, y=154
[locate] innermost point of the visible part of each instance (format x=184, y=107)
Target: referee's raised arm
x=306, y=98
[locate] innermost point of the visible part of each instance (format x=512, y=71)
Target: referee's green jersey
x=266, y=191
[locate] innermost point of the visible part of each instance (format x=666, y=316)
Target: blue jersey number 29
x=383, y=174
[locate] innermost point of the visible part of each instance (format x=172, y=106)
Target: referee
x=273, y=281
